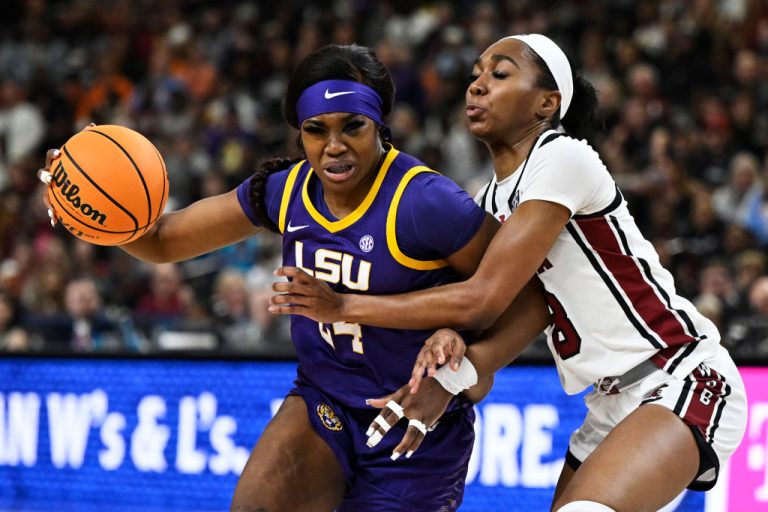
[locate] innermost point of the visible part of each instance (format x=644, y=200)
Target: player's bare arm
x=203, y=226
x=313, y=298
x=494, y=349
x=472, y=304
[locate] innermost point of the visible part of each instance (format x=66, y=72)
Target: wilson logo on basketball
x=70, y=192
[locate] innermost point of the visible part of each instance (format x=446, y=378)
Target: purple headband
x=339, y=96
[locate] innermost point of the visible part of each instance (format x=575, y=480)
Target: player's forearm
x=480, y=390
x=204, y=226
x=457, y=305
x=147, y=247
x=520, y=324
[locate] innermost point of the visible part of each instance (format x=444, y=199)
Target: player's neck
x=509, y=154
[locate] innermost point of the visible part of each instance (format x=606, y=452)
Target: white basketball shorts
x=711, y=400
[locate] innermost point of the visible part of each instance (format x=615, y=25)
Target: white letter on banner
x=229, y=456
x=275, y=404
x=502, y=435
x=23, y=421
x=188, y=458
x=149, y=438
x=112, y=456
x=69, y=423
x=538, y=442
x=18, y=435
x=474, y=460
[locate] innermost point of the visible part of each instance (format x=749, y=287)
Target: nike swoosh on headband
x=330, y=95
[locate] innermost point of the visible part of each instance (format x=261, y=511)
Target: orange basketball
x=109, y=185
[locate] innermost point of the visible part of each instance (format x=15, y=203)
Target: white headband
x=557, y=63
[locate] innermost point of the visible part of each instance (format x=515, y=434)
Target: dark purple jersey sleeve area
x=435, y=217
x=272, y=196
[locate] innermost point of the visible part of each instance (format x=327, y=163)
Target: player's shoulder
x=556, y=143
x=562, y=149
x=404, y=162
x=416, y=171
x=425, y=188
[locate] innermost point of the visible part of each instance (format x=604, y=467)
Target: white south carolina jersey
x=613, y=304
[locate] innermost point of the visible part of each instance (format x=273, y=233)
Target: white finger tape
x=418, y=425
x=382, y=423
x=374, y=439
x=395, y=408
x=457, y=381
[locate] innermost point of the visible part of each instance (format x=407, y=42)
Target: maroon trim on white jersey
x=670, y=358
x=665, y=325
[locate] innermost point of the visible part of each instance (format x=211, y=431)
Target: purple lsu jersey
x=359, y=254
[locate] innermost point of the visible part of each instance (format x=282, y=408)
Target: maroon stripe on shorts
x=709, y=392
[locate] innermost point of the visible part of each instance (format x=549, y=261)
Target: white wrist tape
x=457, y=381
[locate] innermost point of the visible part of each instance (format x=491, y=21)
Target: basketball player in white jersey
x=668, y=406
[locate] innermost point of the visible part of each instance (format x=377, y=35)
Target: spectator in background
x=749, y=266
x=748, y=334
x=733, y=200
x=716, y=280
x=757, y=211
x=84, y=325
x=44, y=291
x=106, y=100
x=22, y=126
x=13, y=336
x=711, y=164
x=168, y=303
x=89, y=327
x=232, y=310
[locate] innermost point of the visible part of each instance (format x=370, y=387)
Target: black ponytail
x=582, y=118
x=259, y=186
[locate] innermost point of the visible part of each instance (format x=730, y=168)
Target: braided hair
x=258, y=187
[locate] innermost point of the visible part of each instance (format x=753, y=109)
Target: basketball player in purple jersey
x=667, y=406
x=364, y=218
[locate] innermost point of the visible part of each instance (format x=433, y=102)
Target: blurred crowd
x=683, y=101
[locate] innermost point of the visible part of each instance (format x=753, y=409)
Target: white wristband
x=457, y=381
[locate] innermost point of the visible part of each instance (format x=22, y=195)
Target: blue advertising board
x=166, y=435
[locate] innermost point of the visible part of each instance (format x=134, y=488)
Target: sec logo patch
x=328, y=417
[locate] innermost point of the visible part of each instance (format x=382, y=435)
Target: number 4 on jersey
x=342, y=328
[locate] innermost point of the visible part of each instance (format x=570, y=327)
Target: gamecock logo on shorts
x=329, y=418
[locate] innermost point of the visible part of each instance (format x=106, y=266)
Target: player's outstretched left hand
x=422, y=409
x=305, y=295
